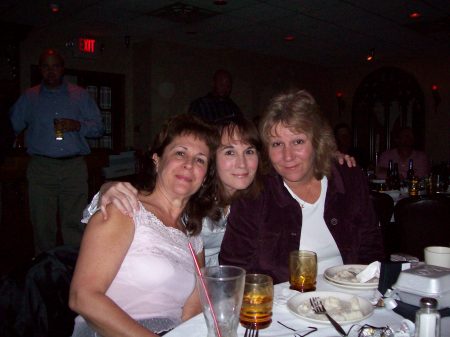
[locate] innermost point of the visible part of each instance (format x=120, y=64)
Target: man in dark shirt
x=217, y=106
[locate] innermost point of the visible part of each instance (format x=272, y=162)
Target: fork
x=318, y=308
x=251, y=332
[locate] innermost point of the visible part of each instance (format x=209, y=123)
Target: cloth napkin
x=371, y=271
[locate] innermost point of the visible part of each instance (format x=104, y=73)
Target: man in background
x=57, y=173
x=344, y=141
x=217, y=105
x=401, y=155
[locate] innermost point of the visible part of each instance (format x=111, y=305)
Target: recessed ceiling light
x=54, y=7
x=415, y=15
x=289, y=38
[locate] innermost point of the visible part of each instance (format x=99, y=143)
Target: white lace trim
x=168, y=241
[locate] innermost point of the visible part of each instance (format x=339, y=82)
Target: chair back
x=422, y=222
x=384, y=208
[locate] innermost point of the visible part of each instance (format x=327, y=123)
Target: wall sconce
x=370, y=56
x=340, y=102
x=436, y=96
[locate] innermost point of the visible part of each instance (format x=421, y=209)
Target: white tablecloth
x=196, y=326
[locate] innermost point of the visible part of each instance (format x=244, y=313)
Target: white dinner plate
x=295, y=301
x=330, y=273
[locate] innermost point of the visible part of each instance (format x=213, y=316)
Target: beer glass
x=256, y=310
x=303, y=270
x=59, y=131
x=225, y=286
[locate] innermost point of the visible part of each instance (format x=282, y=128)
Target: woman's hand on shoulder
x=345, y=159
x=122, y=194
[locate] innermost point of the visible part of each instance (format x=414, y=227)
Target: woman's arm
x=345, y=158
x=370, y=237
x=103, y=248
x=122, y=194
x=240, y=242
x=192, y=306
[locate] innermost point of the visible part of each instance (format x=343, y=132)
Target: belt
x=58, y=158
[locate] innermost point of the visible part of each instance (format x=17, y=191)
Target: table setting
x=344, y=300
x=378, y=317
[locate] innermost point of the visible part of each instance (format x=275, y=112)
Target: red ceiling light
x=434, y=87
x=339, y=94
x=415, y=15
x=370, y=56
x=289, y=38
x=54, y=7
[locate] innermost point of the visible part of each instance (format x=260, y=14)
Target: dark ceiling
x=330, y=33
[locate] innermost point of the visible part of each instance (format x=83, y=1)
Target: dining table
x=381, y=316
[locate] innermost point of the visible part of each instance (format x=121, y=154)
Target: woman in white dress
x=127, y=277
x=237, y=174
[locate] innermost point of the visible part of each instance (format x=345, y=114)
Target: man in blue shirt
x=57, y=173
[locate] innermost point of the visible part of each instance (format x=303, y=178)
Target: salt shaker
x=428, y=319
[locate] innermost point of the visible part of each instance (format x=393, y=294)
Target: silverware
x=318, y=308
x=297, y=332
x=251, y=332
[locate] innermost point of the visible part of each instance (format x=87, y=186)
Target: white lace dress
x=156, y=277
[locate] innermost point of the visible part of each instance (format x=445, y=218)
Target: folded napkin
x=282, y=294
x=371, y=271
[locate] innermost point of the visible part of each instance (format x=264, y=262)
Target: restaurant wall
x=178, y=74
x=162, y=78
x=427, y=72
x=115, y=58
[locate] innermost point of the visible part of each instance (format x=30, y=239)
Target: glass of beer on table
x=303, y=270
x=256, y=310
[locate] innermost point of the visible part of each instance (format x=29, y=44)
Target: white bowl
x=437, y=256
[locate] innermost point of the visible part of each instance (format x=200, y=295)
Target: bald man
x=57, y=173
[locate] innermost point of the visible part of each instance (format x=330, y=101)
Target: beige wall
x=162, y=78
x=180, y=74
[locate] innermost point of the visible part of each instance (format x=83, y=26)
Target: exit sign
x=86, y=46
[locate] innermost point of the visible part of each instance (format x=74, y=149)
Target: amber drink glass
x=59, y=132
x=256, y=310
x=303, y=270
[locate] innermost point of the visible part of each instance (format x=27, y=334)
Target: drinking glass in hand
x=256, y=310
x=58, y=127
x=303, y=270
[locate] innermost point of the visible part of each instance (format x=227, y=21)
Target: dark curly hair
x=201, y=203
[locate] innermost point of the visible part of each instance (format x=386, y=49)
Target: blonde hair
x=298, y=111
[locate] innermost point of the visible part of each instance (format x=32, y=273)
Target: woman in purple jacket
x=308, y=202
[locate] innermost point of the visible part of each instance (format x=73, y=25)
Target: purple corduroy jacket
x=261, y=232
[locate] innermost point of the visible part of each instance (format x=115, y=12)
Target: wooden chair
x=384, y=208
x=422, y=222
